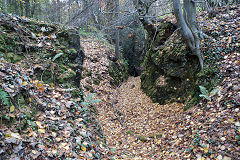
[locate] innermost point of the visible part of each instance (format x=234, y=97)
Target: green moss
x=118, y=71
x=72, y=65
x=62, y=70
x=67, y=76
x=62, y=47
x=13, y=57
x=130, y=132
x=142, y=138
x=47, y=76
x=72, y=50
x=170, y=72
x=3, y=44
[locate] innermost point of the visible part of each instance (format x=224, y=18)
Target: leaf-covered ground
x=61, y=127
x=136, y=128
x=40, y=119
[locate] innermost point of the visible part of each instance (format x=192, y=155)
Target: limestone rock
x=169, y=68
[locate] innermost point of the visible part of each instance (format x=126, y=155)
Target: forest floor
x=128, y=116
x=136, y=128
x=133, y=126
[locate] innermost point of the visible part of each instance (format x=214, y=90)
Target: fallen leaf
x=231, y=120
x=83, y=148
x=38, y=124
x=12, y=108
x=41, y=130
x=11, y=115
x=205, y=149
x=24, y=83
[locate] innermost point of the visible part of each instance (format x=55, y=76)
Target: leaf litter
x=147, y=130
x=62, y=130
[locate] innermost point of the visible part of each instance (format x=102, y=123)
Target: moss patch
x=118, y=71
x=171, y=73
x=53, y=51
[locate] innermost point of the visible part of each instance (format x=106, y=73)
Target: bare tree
x=27, y=8
x=58, y=11
x=142, y=7
x=69, y=11
x=5, y=6
x=186, y=19
x=117, y=32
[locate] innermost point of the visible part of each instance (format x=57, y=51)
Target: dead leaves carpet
x=136, y=128
x=145, y=122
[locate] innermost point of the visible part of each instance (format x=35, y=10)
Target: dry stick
x=42, y=74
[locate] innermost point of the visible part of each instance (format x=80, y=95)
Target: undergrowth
x=4, y=97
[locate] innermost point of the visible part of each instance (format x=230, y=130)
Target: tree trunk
x=69, y=12
x=33, y=8
x=5, y=6
x=21, y=8
x=142, y=7
x=58, y=11
x=27, y=8
x=188, y=25
x=15, y=4
x=117, y=32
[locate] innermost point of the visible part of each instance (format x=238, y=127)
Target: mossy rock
x=13, y=57
x=69, y=38
x=66, y=67
x=118, y=71
x=170, y=71
x=72, y=53
x=67, y=76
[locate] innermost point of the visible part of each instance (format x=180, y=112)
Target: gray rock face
x=169, y=68
x=133, y=46
x=71, y=39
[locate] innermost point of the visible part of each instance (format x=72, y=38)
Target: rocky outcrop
x=53, y=53
x=170, y=71
x=132, y=41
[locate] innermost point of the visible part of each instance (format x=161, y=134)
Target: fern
x=57, y=56
x=4, y=97
x=206, y=94
x=89, y=100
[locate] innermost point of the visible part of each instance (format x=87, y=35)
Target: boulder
x=170, y=71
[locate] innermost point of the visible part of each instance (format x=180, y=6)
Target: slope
x=136, y=128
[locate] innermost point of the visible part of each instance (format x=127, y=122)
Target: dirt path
x=136, y=128
x=143, y=122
